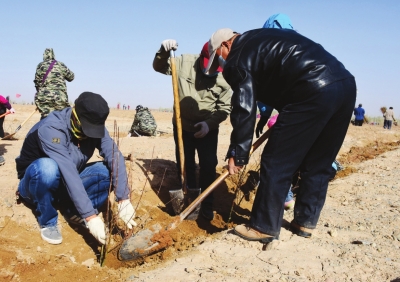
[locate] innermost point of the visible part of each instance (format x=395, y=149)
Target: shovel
x=3, y=115
x=177, y=196
x=145, y=242
x=19, y=127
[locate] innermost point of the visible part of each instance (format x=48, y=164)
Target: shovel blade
x=177, y=200
x=140, y=244
x=192, y=194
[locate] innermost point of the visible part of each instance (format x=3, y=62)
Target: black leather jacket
x=276, y=67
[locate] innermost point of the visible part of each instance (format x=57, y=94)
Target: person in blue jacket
x=359, y=114
x=53, y=168
x=280, y=21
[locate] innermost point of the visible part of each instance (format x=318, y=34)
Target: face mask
x=221, y=62
x=210, y=74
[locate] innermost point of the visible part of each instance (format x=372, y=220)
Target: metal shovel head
x=177, y=200
x=192, y=194
x=140, y=244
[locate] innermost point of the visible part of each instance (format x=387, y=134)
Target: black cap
x=92, y=111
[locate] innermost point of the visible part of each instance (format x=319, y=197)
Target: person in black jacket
x=315, y=96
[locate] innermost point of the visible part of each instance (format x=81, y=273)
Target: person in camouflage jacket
x=51, y=92
x=144, y=123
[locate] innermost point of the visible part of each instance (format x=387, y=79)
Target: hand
x=12, y=111
x=233, y=169
x=126, y=212
x=169, y=44
x=260, y=125
x=97, y=228
x=203, y=129
x=129, y=134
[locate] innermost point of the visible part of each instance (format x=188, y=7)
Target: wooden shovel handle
x=218, y=181
x=3, y=115
x=178, y=120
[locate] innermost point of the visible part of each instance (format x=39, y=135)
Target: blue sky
x=110, y=45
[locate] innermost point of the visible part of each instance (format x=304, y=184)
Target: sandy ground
x=357, y=237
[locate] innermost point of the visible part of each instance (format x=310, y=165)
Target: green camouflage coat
x=144, y=123
x=52, y=93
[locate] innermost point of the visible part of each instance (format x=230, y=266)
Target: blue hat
x=278, y=21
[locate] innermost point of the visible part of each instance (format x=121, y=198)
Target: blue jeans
x=289, y=195
x=42, y=186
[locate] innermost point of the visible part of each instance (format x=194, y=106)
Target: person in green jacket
x=205, y=102
x=51, y=89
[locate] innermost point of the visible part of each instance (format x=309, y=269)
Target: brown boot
x=300, y=230
x=250, y=234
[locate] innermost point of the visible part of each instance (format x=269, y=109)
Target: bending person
x=273, y=66
x=205, y=102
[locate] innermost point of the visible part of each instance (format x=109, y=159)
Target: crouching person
x=144, y=123
x=53, y=169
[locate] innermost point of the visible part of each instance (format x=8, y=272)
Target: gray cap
x=215, y=42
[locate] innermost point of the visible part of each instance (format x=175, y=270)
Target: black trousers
x=206, y=148
x=307, y=136
x=2, y=111
x=358, y=122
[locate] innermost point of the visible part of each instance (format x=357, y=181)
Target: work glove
x=260, y=125
x=97, y=229
x=169, y=44
x=203, y=129
x=12, y=111
x=126, y=212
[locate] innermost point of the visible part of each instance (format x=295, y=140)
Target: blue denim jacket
x=52, y=138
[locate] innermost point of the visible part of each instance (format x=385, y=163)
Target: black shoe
x=207, y=211
x=300, y=230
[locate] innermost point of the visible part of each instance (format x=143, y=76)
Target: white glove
x=129, y=135
x=203, y=129
x=126, y=212
x=97, y=229
x=169, y=44
x=12, y=111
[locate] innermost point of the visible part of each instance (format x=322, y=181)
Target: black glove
x=260, y=125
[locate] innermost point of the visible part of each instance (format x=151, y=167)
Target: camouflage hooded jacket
x=144, y=122
x=56, y=78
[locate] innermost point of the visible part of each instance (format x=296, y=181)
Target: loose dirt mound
x=152, y=173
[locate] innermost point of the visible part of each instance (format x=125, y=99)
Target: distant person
x=143, y=124
x=389, y=118
x=5, y=107
x=359, y=114
x=51, y=89
x=53, y=169
x=129, y=107
x=205, y=102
